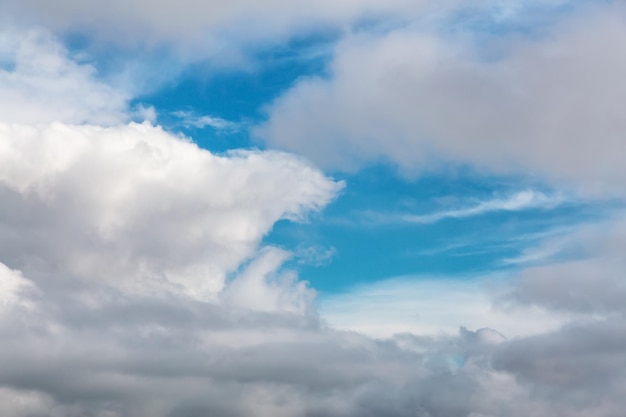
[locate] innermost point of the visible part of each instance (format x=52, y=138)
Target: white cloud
x=139, y=208
x=188, y=119
x=144, y=113
x=41, y=83
x=523, y=200
x=12, y=284
x=581, y=271
x=316, y=255
x=545, y=104
x=261, y=288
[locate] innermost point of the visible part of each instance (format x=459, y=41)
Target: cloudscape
x=383, y=208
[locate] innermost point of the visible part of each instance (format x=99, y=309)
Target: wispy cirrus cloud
x=519, y=201
x=523, y=200
x=189, y=119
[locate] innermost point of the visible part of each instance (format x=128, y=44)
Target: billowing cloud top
x=137, y=208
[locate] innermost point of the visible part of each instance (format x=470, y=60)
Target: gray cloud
x=581, y=272
x=205, y=25
x=544, y=103
x=229, y=362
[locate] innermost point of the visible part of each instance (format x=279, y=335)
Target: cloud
x=41, y=83
x=139, y=208
x=188, y=119
x=523, y=200
x=144, y=113
x=254, y=289
x=583, y=272
x=132, y=355
x=210, y=24
x=509, y=104
x=563, y=321
x=568, y=359
x=315, y=255
x=12, y=285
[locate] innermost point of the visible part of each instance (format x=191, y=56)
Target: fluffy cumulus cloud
x=139, y=208
x=133, y=276
x=547, y=103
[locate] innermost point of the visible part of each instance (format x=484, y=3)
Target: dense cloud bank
x=121, y=355
x=106, y=353
x=134, y=281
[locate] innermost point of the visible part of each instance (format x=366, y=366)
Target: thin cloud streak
x=523, y=200
x=520, y=201
x=188, y=119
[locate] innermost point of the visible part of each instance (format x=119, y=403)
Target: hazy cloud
x=200, y=25
x=434, y=305
x=188, y=119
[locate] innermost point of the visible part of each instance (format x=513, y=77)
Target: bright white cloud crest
x=139, y=208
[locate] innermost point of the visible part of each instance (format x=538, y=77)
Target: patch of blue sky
x=480, y=243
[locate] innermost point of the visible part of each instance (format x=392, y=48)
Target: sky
x=379, y=208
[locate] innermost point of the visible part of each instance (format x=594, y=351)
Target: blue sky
x=385, y=208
